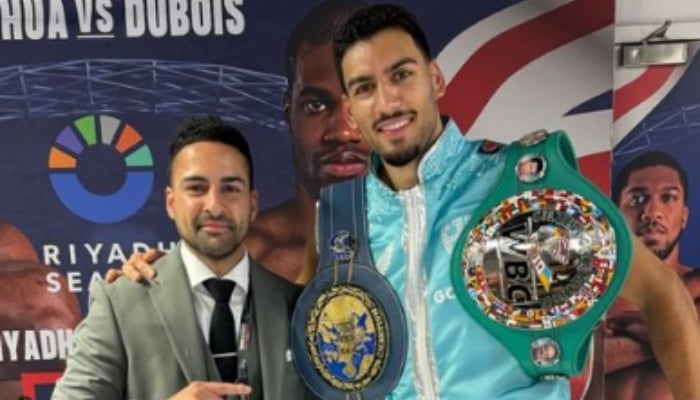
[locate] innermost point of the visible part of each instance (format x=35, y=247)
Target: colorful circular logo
x=539, y=260
x=101, y=169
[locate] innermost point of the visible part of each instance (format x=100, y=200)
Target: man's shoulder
x=271, y=279
x=121, y=289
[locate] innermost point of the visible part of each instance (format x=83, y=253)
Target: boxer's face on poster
x=653, y=204
x=325, y=148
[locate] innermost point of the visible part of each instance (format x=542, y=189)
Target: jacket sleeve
x=96, y=367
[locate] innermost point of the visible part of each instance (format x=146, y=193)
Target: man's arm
x=673, y=323
x=96, y=369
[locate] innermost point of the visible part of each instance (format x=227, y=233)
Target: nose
x=212, y=204
x=388, y=98
x=339, y=131
x=652, y=210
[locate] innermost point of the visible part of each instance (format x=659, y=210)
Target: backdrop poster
x=655, y=184
x=92, y=91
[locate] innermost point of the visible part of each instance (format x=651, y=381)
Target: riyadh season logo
x=101, y=169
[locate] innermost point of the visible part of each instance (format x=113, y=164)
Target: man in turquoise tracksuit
x=463, y=361
x=425, y=180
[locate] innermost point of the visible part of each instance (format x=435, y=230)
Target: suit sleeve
x=96, y=368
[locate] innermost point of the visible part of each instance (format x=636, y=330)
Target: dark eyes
x=202, y=189
x=400, y=74
x=640, y=199
x=669, y=197
x=397, y=76
x=637, y=199
x=315, y=106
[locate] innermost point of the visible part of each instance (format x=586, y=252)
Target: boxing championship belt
x=349, y=333
x=543, y=258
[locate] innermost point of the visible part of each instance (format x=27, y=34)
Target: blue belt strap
x=341, y=208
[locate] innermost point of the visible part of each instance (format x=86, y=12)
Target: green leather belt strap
x=568, y=317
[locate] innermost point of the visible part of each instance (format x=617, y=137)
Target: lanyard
x=247, y=331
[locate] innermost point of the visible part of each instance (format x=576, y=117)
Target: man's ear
x=438, y=79
x=169, y=202
x=686, y=215
x=254, y=205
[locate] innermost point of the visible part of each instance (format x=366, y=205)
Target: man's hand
x=137, y=267
x=210, y=391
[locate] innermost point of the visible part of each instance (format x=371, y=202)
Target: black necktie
x=222, y=331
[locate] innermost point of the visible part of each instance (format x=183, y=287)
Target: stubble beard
x=215, y=248
x=664, y=252
x=403, y=157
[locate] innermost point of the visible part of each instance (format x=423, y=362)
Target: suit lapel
x=173, y=301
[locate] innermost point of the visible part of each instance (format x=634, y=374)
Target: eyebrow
x=398, y=64
x=646, y=189
x=314, y=91
x=200, y=179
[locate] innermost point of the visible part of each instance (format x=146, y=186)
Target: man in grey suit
x=152, y=340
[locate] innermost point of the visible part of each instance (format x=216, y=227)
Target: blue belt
x=349, y=333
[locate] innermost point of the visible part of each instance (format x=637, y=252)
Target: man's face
x=326, y=150
x=653, y=205
x=392, y=92
x=210, y=199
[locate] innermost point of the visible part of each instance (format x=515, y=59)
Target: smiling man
x=214, y=317
x=425, y=176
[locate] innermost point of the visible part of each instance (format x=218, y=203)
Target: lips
x=651, y=233
x=344, y=163
x=395, y=125
x=651, y=230
x=215, y=226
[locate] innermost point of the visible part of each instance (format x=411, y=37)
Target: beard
x=217, y=247
x=666, y=250
x=213, y=251
x=402, y=157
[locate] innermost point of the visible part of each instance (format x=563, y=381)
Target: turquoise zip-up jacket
x=412, y=235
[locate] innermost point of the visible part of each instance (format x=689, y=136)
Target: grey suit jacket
x=142, y=341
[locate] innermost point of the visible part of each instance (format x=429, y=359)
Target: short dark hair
x=648, y=159
x=210, y=129
x=316, y=27
x=371, y=20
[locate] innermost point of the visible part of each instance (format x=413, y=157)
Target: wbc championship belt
x=349, y=333
x=543, y=258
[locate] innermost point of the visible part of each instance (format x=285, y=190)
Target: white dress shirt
x=197, y=273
